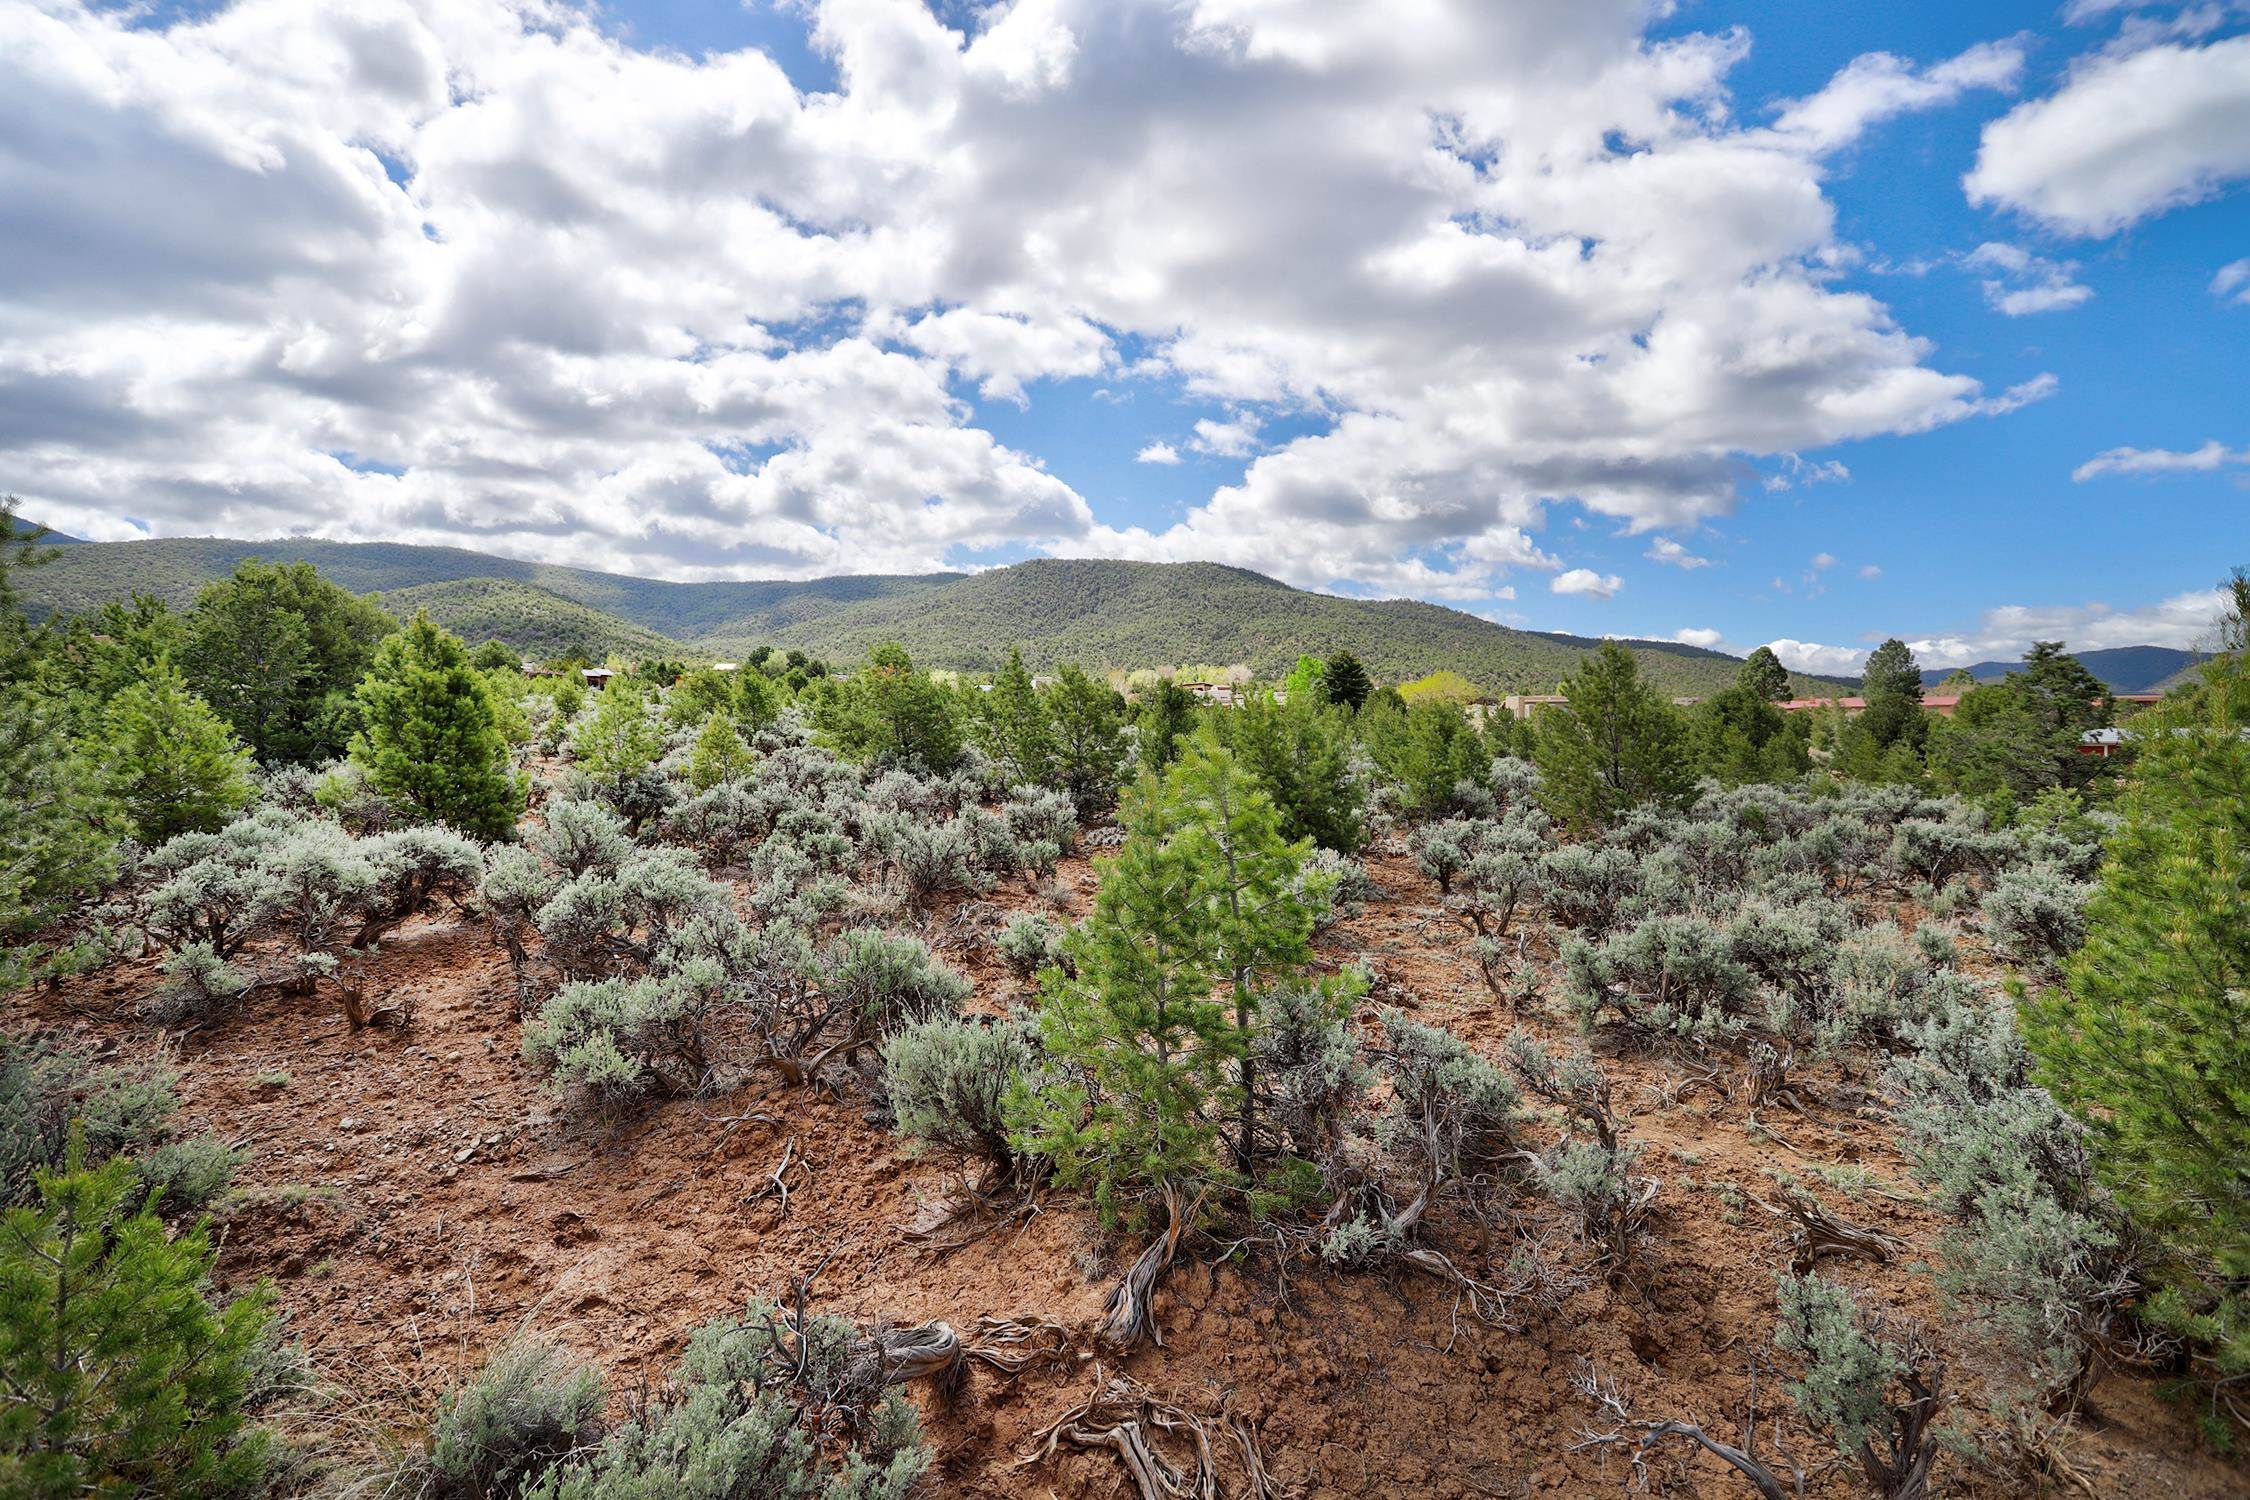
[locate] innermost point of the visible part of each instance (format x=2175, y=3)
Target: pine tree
x=2148, y=1040
x=1346, y=681
x=1167, y=717
x=1135, y=1013
x=1014, y=727
x=122, y=1377
x=2067, y=700
x=1300, y=755
x=1086, y=722
x=275, y=652
x=174, y=766
x=1616, y=744
x=1890, y=686
x=431, y=740
x=622, y=738
x=719, y=755
x=892, y=714
x=1203, y=890
x=56, y=847
x=1762, y=673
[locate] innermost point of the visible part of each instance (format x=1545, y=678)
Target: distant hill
x=1099, y=613
x=174, y=568
x=539, y=623
x=2122, y=669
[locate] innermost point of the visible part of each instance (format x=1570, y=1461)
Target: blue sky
x=1880, y=320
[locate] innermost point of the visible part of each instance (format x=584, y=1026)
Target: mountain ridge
x=2122, y=669
x=1101, y=613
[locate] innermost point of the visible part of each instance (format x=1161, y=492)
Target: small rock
x=348, y=1123
x=464, y=1153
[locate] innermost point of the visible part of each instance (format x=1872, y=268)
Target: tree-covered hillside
x=538, y=622
x=1124, y=614
x=1099, y=613
x=88, y=575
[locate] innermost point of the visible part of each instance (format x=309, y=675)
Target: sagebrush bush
x=883, y=980
x=1676, y=976
x=523, y=1412
x=1585, y=885
x=719, y=823
x=580, y=836
x=949, y=1081
x=1042, y=817
x=199, y=986
x=49, y=1089
x=1937, y=850
x=1866, y=1384
x=1310, y=1066
x=928, y=858
x=622, y=1039
x=2030, y=1256
x=2036, y=915
x=1031, y=941
x=1449, y=1105
x=1597, y=1186
x=754, y=1412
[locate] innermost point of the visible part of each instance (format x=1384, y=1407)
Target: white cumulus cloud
x=2212, y=456
x=1157, y=453
x=1821, y=661
x=1694, y=635
x=1670, y=553
x=2131, y=134
x=1586, y=583
x=477, y=272
x=2233, y=281
x=2022, y=283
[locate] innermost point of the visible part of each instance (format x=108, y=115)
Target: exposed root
x=967, y=1221
x=1130, y=1315
x=1123, y=1416
x=777, y=1182
x=1013, y=1345
x=1815, y=1232
x=1645, y=1433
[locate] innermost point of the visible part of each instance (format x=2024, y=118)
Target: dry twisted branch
x=1123, y=1416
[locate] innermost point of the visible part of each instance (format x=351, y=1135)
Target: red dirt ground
x=417, y=1198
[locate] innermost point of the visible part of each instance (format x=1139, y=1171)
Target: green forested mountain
x=88, y=574
x=1124, y=614
x=1098, y=613
x=538, y=622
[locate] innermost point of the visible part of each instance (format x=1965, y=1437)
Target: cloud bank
x=475, y=272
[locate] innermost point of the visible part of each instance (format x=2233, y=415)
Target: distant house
x=2101, y=742
x=597, y=678
x=533, y=669
x=1524, y=705
x=1217, y=694
x=726, y=666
